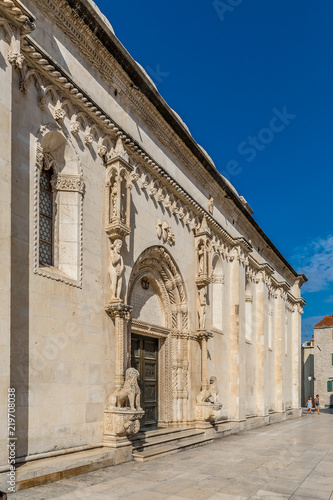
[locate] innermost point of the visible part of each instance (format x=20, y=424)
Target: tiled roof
x=327, y=321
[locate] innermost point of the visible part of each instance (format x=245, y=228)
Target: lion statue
x=130, y=391
x=209, y=395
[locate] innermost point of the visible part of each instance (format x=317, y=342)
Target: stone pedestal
x=119, y=424
x=208, y=413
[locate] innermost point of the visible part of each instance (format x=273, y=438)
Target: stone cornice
x=18, y=14
x=69, y=92
x=89, y=33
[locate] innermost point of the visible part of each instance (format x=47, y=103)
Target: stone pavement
x=292, y=459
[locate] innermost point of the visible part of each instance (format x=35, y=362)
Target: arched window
x=248, y=311
x=217, y=293
x=46, y=216
x=58, y=217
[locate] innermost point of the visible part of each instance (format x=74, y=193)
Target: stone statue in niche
x=114, y=194
x=130, y=392
x=116, y=269
x=202, y=307
x=201, y=258
x=209, y=395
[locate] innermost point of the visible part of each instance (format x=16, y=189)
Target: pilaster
x=237, y=337
x=296, y=356
x=6, y=70
x=279, y=350
x=261, y=318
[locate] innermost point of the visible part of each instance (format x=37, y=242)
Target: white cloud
x=315, y=260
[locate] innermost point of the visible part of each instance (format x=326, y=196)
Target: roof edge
x=106, y=36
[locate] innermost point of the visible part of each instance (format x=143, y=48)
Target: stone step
x=152, y=441
x=175, y=446
x=37, y=472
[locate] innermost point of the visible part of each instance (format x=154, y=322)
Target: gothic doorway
x=159, y=327
x=144, y=357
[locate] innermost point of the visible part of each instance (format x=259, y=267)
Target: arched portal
x=159, y=335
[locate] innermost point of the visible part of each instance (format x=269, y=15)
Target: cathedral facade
x=139, y=297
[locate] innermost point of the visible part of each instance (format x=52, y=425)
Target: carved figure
x=209, y=395
x=130, y=392
x=211, y=205
x=116, y=269
x=114, y=194
x=201, y=257
x=202, y=307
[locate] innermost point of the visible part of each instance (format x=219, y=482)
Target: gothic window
x=248, y=311
x=46, y=236
x=58, y=211
x=217, y=293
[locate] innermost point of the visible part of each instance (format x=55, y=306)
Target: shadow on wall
x=19, y=342
x=307, y=385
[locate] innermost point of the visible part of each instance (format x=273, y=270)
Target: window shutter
x=329, y=385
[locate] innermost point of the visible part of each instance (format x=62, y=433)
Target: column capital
x=118, y=309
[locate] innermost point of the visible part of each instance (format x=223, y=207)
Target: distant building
x=323, y=360
x=307, y=380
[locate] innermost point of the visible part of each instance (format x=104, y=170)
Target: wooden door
x=144, y=357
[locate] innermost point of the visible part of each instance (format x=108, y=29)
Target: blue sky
x=227, y=68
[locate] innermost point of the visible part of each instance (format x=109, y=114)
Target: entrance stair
x=151, y=444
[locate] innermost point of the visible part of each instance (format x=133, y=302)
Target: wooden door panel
x=144, y=357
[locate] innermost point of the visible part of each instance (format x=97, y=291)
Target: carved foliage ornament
x=164, y=232
x=63, y=182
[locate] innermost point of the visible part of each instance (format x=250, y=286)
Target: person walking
x=316, y=403
x=309, y=405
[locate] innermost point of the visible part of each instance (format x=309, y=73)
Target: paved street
x=293, y=459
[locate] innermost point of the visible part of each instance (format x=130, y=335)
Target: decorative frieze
x=63, y=182
x=164, y=232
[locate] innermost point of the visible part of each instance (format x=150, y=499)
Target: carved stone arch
x=82, y=120
x=56, y=150
x=67, y=106
x=217, y=291
x=7, y=30
x=51, y=96
x=157, y=268
x=96, y=133
x=150, y=278
x=159, y=260
x=33, y=74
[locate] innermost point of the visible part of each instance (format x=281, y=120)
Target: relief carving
x=209, y=395
x=130, y=393
x=116, y=269
x=208, y=408
x=164, y=232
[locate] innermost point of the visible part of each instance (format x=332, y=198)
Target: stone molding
x=18, y=14
x=81, y=35
x=175, y=197
x=63, y=182
x=77, y=185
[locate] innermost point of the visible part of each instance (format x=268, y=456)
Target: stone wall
x=323, y=364
x=220, y=306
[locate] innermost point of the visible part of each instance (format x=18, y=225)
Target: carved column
x=203, y=277
x=120, y=314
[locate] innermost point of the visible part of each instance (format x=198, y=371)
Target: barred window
x=45, y=218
